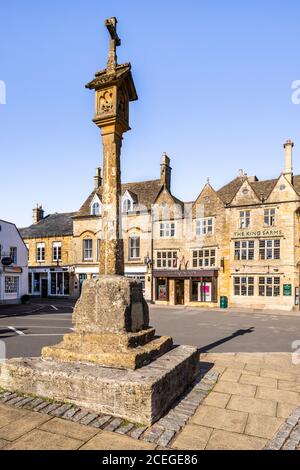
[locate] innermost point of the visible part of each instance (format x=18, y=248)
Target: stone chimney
x=97, y=178
x=288, y=160
x=38, y=214
x=165, y=172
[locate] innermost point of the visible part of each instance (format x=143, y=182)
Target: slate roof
x=143, y=194
x=53, y=225
x=261, y=188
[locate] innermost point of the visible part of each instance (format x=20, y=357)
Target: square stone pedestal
x=142, y=395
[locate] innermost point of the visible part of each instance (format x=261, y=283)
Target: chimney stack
x=38, y=214
x=165, y=172
x=288, y=160
x=97, y=178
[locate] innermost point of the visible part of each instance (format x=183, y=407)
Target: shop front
x=186, y=287
x=49, y=282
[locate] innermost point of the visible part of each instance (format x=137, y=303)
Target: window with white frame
x=87, y=249
x=134, y=247
x=244, y=219
x=269, y=217
x=205, y=226
x=269, y=286
x=11, y=285
x=206, y=257
x=167, y=229
x=95, y=209
x=40, y=252
x=166, y=259
x=127, y=205
x=13, y=254
x=243, y=285
x=56, y=251
x=244, y=250
x=269, y=249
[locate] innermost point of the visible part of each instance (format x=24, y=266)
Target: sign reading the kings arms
x=258, y=233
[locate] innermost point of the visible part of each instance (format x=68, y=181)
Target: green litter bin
x=223, y=301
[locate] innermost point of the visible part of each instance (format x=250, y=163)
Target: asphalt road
x=24, y=330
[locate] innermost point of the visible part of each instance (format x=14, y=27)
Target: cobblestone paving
x=161, y=433
x=288, y=437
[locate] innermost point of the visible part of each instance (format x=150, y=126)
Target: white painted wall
x=9, y=237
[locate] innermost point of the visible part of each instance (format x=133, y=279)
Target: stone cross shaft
x=111, y=251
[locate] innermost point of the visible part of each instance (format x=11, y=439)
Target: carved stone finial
x=115, y=41
x=207, y=180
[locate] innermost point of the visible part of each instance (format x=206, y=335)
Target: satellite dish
x=7, y=261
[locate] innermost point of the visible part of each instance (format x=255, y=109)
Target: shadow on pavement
x=237, y=333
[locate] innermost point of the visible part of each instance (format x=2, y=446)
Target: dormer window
x=96, y=206
x=127, y=205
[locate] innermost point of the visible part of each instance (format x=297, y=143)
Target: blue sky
x=213, y=78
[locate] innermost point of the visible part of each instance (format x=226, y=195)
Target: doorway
x=179, y=292
x=44, y=288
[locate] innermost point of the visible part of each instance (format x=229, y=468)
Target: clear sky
x=213, y=78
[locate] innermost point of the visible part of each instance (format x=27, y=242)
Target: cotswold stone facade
x=240, y=242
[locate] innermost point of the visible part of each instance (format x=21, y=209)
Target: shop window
x=59, y=283
x=36, y=283
x=11, y=285
x=204, y=289
x=162, y=289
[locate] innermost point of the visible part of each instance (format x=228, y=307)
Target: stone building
x=49, y=243
x=13, y=264
x=240, y=241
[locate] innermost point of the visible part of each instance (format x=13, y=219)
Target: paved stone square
x=254, y=404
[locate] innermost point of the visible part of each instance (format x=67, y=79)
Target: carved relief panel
x=105, y=102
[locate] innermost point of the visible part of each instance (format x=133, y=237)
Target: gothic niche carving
x=105, y=102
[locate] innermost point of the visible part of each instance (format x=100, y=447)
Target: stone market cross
x=113, y=362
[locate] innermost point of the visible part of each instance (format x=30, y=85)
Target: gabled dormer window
x=96, y=206
x=127, y=202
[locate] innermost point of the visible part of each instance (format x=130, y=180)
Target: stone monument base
x=142, y=395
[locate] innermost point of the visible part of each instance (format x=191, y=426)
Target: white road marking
x=54, y=308
x=16, y=331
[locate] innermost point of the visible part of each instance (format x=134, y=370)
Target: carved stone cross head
x=115, y=41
